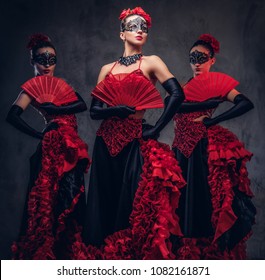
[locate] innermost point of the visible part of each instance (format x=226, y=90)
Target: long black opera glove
x=242, y=105
x=13, y=117
x=72, y=108
x=188, y=107
x=175, y=99
x=97, y=112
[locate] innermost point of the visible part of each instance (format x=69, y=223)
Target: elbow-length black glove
x=174, y=100
x=13, y=117
x=242, y=105
x=188, y=107
x=97, y=112
x=72, y=108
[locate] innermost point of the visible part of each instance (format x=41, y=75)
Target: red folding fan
x=137, y=92
x=49, y=89
x=209, y=85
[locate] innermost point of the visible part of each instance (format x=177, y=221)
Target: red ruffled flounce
x=224, y=151
x=153, y=218
x=62, y=149
x=206, y=249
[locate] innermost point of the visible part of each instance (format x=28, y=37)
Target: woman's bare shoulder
x=105, y=69
x=152, y=58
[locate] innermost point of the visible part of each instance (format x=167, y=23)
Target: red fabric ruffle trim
x=72, y=147
x=120, y=246
x=153, y=218
x=82, y=252
x=63, y=216
x=61, y=151
x=225, y=150
x=206, y=249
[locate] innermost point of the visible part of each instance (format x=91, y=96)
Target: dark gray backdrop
x=86, y=34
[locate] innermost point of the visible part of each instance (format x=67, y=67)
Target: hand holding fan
x=209, y=85
x=49, y=89
x=138, y=93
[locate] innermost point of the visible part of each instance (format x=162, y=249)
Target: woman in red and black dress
x=134, y=182
x=215, y=210
x=56, y=199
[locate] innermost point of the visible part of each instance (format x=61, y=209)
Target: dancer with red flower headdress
x=56, y=198
x=135, y=180
x=215, y=209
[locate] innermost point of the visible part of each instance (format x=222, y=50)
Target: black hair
x=38, y=41
x=206, y=45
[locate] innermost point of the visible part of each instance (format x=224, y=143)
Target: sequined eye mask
x=197, y=57
x=45, y=59
x=135, y=25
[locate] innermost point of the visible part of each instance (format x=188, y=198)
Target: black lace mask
x=45, y=59
x=197, y=57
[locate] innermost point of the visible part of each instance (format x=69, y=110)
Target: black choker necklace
x=128, y=60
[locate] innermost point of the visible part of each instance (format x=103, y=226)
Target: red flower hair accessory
x=37, y=38
x=208, y=38
x=136, y=11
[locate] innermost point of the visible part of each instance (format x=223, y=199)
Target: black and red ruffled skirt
x=56, y=196
x=133, y=195
x=215, y=209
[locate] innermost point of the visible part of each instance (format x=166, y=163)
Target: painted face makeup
x=135, y=25
x=197, y=57
x=45, y=59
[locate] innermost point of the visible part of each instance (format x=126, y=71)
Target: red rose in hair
x=136, y=11
x=36, y=38
x=212, y=41
x=124, y=14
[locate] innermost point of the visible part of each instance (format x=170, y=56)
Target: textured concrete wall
x=86, y=34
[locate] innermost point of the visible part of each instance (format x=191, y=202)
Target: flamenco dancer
x=215, y=209
x=56, y=199
x=134, y=182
